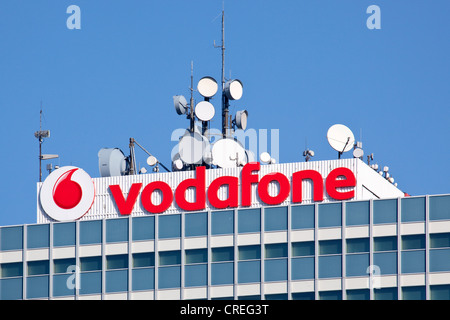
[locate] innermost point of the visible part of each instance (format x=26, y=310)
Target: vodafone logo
x=67, y=194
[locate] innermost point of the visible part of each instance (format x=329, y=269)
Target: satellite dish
x=143, y=170
x=241, y=119
x=191, y=148
x=265, y=157
x=358, y=153
x=180, y=104
x=112, y=162
x=204, y=111
x=151, y=161
x=340, y=138
x=234, y=89
x=177, y=165
x=228, y=153
x=207, y=87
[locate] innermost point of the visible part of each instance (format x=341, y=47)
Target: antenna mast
x=225, y=103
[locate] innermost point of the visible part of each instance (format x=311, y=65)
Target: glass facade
x=378, y=249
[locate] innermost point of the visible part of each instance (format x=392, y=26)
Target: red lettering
x=247, y=179
x=263, y=187
x=332, y=183
x=297, y=179
x=167, y=197
x=125, y=206
x=199, y=185
x=232, y=201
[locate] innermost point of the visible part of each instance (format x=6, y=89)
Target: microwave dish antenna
x=340, y=138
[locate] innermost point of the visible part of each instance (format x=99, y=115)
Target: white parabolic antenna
x=234, y=89
x=207, y=87
x=228, y=153
x=204, y=111
x=340, y=138
x=191, y=147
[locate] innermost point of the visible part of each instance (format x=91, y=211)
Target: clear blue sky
x=305, y=65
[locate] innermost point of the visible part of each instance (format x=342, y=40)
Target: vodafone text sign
x=338, y=178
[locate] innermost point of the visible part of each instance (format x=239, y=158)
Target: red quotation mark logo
x=67, y=194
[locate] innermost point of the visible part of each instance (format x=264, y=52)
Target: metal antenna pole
x=192, y=97
x=40, y=144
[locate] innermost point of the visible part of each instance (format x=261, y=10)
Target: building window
x=91, y=232
x=9, y=270
x=386, y=294
x=90, y=283
x=196, y=224
x=119, y=261
x=413, y=209
x=302, y=268
x=330, y=259
x=385, y=256
x=439, y=207
x=439, y=252
x=62, y=265
x=358, y=294
x=358, y=245
x=249, y=271
x=249, y=252
x=196, y=256
x=196, y=275
x=143, y=273
x=385, y=243
x=303, y=296
x=169, y=226
x=64, y=234
x=222, y=273
x=249, y=220
x=439, y=260
x=222, y=254
x=249, y=266
x=38, y=267
x=302, y=217
x=330, y=247
x=169, y=277
x=167, y=258
x=222, y=222
x=63, y=274
x=275, y=269
x=142, y=260
x=330, y=295
x=143, y=228
x=302, y=249
x=330, y=215
x=116, y=281
x=91, y=263
x=440, y=240
x=275, y=219
x=416, y=241
x=357, y=264
x=37, y=287
x=11, y=289
x=384, y=211
x=117, y=230
x=143, y=279
x=357, y=213
x=38, y=236
x=11, y=238
x=414, y=293
x=440, y=292
x=276, y=250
